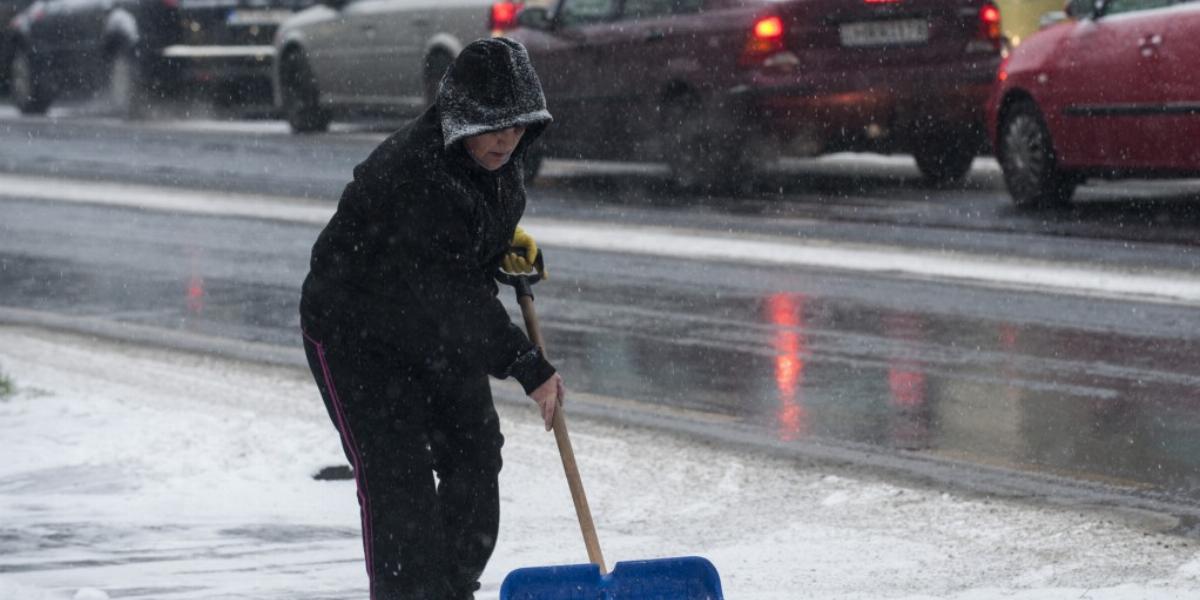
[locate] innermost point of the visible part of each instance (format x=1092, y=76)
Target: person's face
x=493, y=149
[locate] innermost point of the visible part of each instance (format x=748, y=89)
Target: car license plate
x=885, y=33
x=243, y=16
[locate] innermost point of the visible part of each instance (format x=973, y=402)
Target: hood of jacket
x=491, y=86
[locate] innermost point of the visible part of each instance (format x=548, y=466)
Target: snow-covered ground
x=142, y=473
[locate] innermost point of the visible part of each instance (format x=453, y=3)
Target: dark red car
x=1113, y=91
x=711, y=86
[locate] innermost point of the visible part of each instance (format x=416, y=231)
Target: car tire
x=128, y=91
x=27, y=88
x=1027, y=158
x=945, y=160
x=301, y=97
x=436, y=64
x=702, y=158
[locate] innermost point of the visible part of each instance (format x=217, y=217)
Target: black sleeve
x=439, y=235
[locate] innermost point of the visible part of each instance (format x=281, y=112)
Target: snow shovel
x=678, y=578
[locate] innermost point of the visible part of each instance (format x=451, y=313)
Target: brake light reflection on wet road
x=786, y=312
x=906, y=376
x=195, y=294
x=907, y=384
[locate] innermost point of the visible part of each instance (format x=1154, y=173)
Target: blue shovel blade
x=681, y=578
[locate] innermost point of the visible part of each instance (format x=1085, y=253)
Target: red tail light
x=171, y=3
x=768, y=29
x=766, y=38
x=503, y=16
x=989, y=24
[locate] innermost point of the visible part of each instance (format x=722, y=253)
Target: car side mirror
x=535, y=17
x=1080, y=9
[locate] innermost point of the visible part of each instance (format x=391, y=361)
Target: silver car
x=345, y=58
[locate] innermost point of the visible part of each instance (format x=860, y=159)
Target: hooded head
x=489, y=87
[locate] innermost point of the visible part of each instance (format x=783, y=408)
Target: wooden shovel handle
x=565, y=451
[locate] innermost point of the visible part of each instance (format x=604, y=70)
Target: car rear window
x=644, y=9
x=1116, y=7
x=583, y=12
x=648, y=9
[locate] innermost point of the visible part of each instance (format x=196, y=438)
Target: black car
x=136, y=50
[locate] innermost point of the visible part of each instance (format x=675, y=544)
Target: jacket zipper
x=500, y=201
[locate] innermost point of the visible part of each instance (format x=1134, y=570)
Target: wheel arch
x=443, y=42
x=1012, y=97
x=120, y=31
x=17, y=30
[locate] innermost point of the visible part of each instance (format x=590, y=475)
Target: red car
x=711, y=86
x=1113, y=91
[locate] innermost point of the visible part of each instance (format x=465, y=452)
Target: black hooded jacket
x=409, y=257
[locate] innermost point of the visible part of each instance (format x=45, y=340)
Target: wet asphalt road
x=1016, y=389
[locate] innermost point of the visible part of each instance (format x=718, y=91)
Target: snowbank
x=142, y=473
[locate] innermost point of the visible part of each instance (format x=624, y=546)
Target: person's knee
x=477, y=452
x=488, y=453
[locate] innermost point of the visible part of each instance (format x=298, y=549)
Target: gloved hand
x=517, y=263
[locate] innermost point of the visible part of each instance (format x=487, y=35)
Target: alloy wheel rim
x=1025, y=154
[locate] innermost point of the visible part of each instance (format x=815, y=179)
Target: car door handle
x=1149, y=44
x=656, y=36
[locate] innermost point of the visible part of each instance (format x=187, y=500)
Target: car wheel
x=26, y=87
x=435, y=67
x=1028, y=160
x=702, y=158
x=301, y=98
x=945, y=160
x=128, y=90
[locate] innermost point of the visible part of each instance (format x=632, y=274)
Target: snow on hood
x=491, y=86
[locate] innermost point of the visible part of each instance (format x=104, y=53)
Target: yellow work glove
x=522, y=262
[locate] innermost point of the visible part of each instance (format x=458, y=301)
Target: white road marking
x=1151, y=285
x=166, y=199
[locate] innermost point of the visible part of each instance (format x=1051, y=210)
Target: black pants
x=401, y=425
